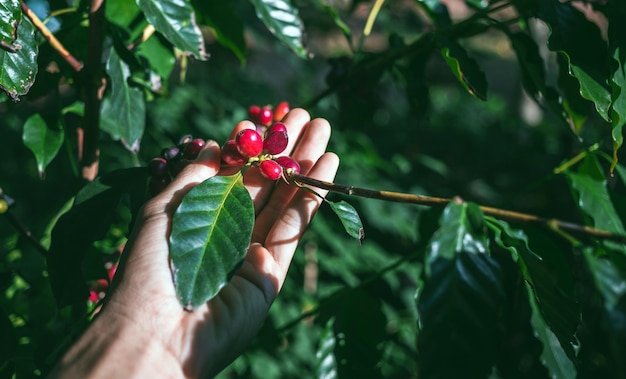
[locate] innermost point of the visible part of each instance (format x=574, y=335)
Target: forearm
x=115, y=349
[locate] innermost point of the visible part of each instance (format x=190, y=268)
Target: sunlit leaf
x=19, y=69
x=325, y=361
x=211, y=232
x=464, y=67
x=581, y=42
x=461, y=298
x=121, y=12
x=43, y=140
x=283, y=20
x=553, y=356
x=10, y=17
x=349, y=218
x=175, y=19
x=123, y=111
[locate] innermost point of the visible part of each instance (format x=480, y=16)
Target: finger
x=310, y=148
x=285, y=235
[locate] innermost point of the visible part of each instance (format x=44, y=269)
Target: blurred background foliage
x=410, y=127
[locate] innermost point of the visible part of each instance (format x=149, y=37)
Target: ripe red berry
x=254, y=113
x=192, y=149
x=249, y=143
x=289, y=163
x=280, y=111
x=275, y=143
x=157, y=167
x=266, y=116
x=231, y=155
x=277, y=127
x=270, y=169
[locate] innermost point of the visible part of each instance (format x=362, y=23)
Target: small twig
x=26, y=233
x=10, y=47
x=438, y=201
x=54, y=42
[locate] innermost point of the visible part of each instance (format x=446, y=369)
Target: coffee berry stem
x=399, y=197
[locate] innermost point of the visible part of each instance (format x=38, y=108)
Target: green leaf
x=77, y=230
x=464, y=67
x=10, y=17
x=608, y=280
x=121, y=12
x=229, y=30
x=18, y=70
x=43, y=140
x=461, y=299
x=437, y=11
x=345, y=29
x=559, y=309
x=123, y=113
x=175, y=19
x=617, y=44
x=594, y=200
x=325, y=361
x=211, y=232
x=349, y=218
x=553, y=356
x=282, y=20
x=580, y=41
x=160, y=57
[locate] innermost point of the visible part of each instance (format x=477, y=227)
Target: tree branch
x=54, y=42
x=399, y=197
x=93, y=91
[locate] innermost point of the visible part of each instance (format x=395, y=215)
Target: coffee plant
x=475, y=228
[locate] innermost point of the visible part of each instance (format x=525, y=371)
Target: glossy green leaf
x=464, y=67
x=609, y=282
x=43, y=140
x=581, y=42
x=10, y=17
x=123, y=111
x=211, y=232
x=477, y=4
x=121, y=12
x=325, y=361
x=229, y=31
x=77, y=230
x=345, y=29
x=159, y=55
x=558, y=307
x=283, y=20
x=593, y=198
x=349, y=218
x=18, y=70
x=553, y=356
x=461, y=298
x=617, y=43
x=175, y=19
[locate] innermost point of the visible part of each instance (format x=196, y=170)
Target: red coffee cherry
x=289, y=163
x=280, y=111
x=249, y=143
x=231, y=155
x=275, y=143
x=277, y=127
x=192, y=149
x=157, y=167
x=266, y=115
x=270, y=169
x=254, y=113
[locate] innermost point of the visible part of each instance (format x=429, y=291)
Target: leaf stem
x=54, y=42
x=399, y=197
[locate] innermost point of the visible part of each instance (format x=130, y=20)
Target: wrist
x=114, y=348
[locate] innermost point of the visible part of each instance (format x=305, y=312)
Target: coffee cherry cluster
x=250, y=148
x=264, y=116
x=172, y=160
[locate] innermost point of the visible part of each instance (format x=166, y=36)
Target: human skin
x=142, y=330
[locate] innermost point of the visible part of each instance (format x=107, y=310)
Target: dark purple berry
x=170, y=153
x=157, y=167
x=192, y=149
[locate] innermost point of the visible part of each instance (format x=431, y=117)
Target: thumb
x=205, y=166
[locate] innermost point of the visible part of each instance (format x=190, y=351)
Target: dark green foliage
x=431, y=102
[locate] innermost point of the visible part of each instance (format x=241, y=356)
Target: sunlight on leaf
x=283, y=20
x=325, y=361
x=18, y=70
x=43, y=140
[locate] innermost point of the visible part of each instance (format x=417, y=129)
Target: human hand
x=142, y=308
